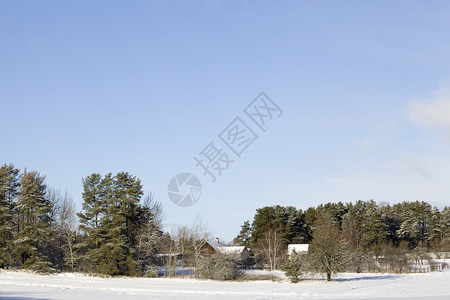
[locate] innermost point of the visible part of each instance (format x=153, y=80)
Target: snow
x=28, y=286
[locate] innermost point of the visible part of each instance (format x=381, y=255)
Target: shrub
x=396, y=259
x=434, y=266
x=218, y=267
x=152, y=272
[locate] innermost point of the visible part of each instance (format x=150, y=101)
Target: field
x=27, y=286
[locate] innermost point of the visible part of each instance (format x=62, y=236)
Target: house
x=232, y=250
x=243, y=253
x=212, y=247
x=299, y=248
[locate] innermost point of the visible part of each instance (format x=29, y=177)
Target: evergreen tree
x=415, y=227
x=9, y=187
x=373, y=227
x=34, y=221
x=444, y=225
x=351, y=230
x=111, y=220
x=392, y=223
x=121, y=226
x=287, y=221
x=244, y=236
x=91, y=220
x=292, y=267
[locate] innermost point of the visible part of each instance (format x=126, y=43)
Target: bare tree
x=272, y=246
x=149, y=235
x=65, y=222
x=182, y=239
x=198, y=237
x=328, y=253
x=169, y=256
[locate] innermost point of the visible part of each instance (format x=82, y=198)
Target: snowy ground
x=26, y=286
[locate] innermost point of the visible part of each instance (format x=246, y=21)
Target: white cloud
x=433, y=113
x=415, y=165
x=365, y=144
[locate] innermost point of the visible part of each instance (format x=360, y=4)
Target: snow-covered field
x=26, y=286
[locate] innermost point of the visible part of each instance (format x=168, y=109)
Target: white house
x=238, y=250
x=299, y=248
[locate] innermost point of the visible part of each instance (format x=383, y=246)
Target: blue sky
x=144, y=86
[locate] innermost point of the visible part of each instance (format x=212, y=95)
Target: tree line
x=119, y=229
x=366, y=225
x=349, y=236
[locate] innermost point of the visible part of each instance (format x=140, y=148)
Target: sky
x=144, y=86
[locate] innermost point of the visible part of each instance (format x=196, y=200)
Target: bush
x=396, y=259
x=434, y=266
x=152, y=272
x=218, y=267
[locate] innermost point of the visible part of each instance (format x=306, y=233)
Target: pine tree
x=415, y=224
x=293, y=266
x=91, y=221
x=34, y=221
x=244, y=236
x=445, y=229
x=122, y=226
x=373, y=227
x=111, y=220
x=392, y=222
x=9, y=187
x=351, y=230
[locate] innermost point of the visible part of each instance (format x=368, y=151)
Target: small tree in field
x=293, y=266
x=328, y=249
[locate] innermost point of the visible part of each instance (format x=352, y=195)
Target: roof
x=298, y=248
x=216, y=245
x=231, y=250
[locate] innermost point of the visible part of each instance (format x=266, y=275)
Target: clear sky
x=144, y=86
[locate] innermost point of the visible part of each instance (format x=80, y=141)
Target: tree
x=392, y=223
x=244, y=236
x=91, y=220
x=9, y=188
x=373, y=227
x=288, y=221
x=182, y=239
x=444, y=226
x=293, y=266
x=328, y=249
x=64, y=231
x=273, y=248
x=34, y=221
x=199, y=236
x=111, y=220
x=218, y=267
x=415, y=226
x=149, y=234
x=122, y=197
x=351, y=230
